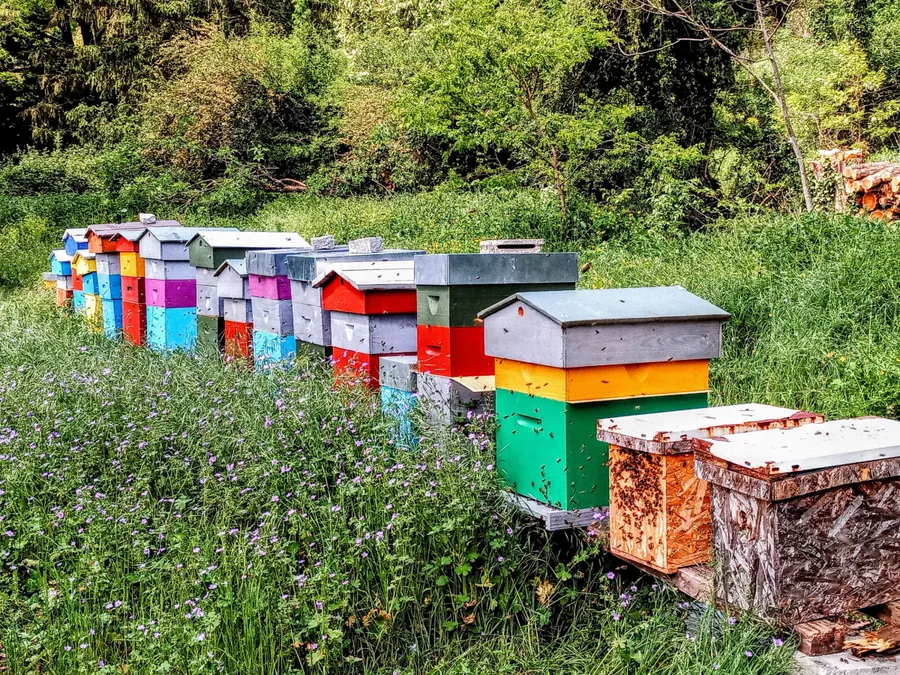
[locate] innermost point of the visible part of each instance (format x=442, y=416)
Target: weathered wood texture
x=659, y=510
x=814, y=556
x=697, y=581
x=883, y=641
x=821, y=637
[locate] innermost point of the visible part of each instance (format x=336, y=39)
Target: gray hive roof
x=239, y=265
x=241, y=239
x=372, y=276
x=61, y=255
x=177, y=233
x=616, y=305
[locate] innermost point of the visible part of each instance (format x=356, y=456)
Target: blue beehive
x=109, y=286
x=78, y=301
x=398, y=377
x=90, y=284
x=60, y=263
x=112, y=317
x=75, y=240
x=269, y=348
x=171, y=328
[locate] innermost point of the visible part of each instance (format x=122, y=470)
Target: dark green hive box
x=548, y=450
x=210, y=334
x=458, y=306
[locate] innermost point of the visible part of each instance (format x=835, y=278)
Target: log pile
x=876, y=188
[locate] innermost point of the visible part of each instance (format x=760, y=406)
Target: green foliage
x=497, y=80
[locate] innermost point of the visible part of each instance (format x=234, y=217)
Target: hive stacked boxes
x=455, y=375
x=208, y=250
x=312, y=323
x=659, y=511
x=85, y=264
x=233, y=284
x=134, y=283
x=75, y=239
x=372, y=306
x=170, y=288
x=568, y=358
x=397, y=375
x=270, y=297
x=109, y=276
x=805, y=520
x=61, y=269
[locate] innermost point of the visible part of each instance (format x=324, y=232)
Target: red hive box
x=238, y=339
x=375, y=287
x=134, y=323
x=453, y=351
x=350, y=365
x=133, y=290
x=77, y=282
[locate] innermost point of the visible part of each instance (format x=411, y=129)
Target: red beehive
x=134, y=323
x=77, y=281
x=375, y=287
x=239, y=339
x=352, y=365
x=453, y=351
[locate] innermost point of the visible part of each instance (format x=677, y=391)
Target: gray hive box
x=273, y=316
x=446, y=400
x=208, y=301
x=312, y=324
x=271, y=263
x=180, y=270
x=473, y=269
x=575, y=329
x=211, y=248
x=309, y=266
x=50, y=276
x=237, y=309
x=108, y=263
x=232, y=279
x=398, y=372
x=374, y=334
x=170, y=243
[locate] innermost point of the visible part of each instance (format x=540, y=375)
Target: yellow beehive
x=599, y=383
x=93, y=311
x=84, y=265
x=131, y=264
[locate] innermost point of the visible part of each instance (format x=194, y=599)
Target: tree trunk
x=559, y=183
x=782, y=103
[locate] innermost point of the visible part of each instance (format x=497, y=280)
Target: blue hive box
x=398, y=405
x=75, y=240
x=112, y=317
x=78, y=301
x=171, y=328
x=110, y=286
x=60, y=263
x=269, y=348
x=90, y=284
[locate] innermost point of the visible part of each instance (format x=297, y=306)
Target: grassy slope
x=150, y=482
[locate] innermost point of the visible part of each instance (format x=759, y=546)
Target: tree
x=717, y=22
x=501, y=78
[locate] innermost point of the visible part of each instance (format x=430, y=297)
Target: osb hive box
x=659, y=509
x=806, y=521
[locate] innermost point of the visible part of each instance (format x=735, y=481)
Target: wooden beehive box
x=310, y=265
x=376, y=287
x=475, y=269
x=210, y=248
x=272, y=263
x=806, y=521
x=60, y=263
x=577, y=329
x=75, y=239
x=659, y=510
x=170, y=243
x=84, y=262
x=374, y=334
x=233, y=279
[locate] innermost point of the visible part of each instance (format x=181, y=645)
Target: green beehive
x=210, y=334
x=458, y=306
x=210, y=248
x=548, y=450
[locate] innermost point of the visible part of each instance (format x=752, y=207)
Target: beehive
x=453, y=288
x=210, y=248
x=60, y=263
x=238, y=338
x=397, y=376
x=450, y=400
x=134, y=322
x=568, y=358
x=75, y=239
x=112, y=317
x=270, y=349
x=210, y=334
x=171, y=328
x=806, y=521
x=659, y=510
x=93, y=311
x=170, y=243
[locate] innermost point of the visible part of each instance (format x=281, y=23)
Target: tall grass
x=182, y=515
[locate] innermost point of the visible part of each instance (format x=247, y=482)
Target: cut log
x=851, y=187
x=883, y=641
x=876, y=215
x=870, y=201
x=821, y=637
x=877, y=178
x=859, y=171
x=696, y=582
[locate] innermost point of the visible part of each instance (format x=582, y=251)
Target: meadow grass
x=182, y=515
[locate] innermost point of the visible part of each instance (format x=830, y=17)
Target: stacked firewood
x=876, y=188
